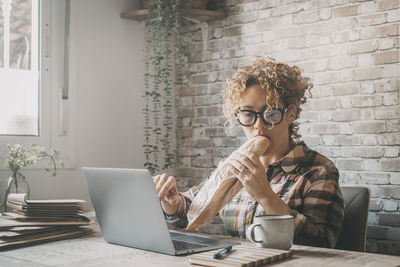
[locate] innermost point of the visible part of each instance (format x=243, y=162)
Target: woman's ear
x=291, y=114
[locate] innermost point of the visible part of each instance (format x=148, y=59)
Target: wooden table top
x=94, y=251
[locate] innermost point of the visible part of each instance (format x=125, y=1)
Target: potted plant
x=166, y=71
x=18, y=158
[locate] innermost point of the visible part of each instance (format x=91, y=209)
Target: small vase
x=16, y=184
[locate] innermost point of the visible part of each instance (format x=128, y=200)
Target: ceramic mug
x=272, y=231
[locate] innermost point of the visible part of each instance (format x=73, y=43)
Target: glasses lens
x=273, y=116
x=246, y=117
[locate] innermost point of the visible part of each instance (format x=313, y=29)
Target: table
x=94, y=251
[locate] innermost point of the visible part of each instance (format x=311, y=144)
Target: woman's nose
x=259, y=124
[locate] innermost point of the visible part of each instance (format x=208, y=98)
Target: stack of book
x=36, y=221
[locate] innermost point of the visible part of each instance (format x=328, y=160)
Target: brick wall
x=350, y=49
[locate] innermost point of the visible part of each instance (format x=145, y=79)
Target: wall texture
x=350, y=49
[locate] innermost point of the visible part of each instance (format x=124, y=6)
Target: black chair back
x=354, y=228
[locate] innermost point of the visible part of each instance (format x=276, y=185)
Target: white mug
x=272, y=231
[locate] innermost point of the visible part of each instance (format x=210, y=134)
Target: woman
x=289, y=178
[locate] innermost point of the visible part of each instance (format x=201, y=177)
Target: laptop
x=130, y=214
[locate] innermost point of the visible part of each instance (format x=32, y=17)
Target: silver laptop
x=129, y=213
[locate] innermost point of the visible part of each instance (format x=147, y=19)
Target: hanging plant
x=166, y=59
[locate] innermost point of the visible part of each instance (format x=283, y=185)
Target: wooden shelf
x=200, y=14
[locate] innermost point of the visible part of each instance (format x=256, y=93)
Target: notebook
x=129, y=213
x=240, y=256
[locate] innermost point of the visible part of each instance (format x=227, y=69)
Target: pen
x=222, y=252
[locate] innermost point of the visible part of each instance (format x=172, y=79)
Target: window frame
x=52, y=29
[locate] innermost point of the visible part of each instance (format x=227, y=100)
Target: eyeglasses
x=269, y=117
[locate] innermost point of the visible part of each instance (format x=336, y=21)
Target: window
x=19, y=68
x=34, y=75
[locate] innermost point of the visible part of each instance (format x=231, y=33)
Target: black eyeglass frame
x=260, y=114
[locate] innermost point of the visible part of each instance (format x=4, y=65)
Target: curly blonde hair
x=283, y=84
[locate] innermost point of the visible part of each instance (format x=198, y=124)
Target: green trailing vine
x=166, y=59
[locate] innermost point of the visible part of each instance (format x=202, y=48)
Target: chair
x=354, y=228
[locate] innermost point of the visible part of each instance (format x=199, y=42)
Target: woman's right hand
x=167, y=191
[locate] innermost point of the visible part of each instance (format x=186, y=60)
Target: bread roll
x=220, y=187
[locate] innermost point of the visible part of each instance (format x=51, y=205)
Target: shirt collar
x=290, y=161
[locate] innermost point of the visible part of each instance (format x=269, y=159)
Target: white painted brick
x=374, y=178
x=387, y=57
x=371, y=19
x=324, y=39
x=389, y=164
x=348, y=23
x=266, y=4
x=308, y=67
x=309, y=116
x=369, y=73
x=345, y=36
x=372, y=218
x=390, y=205
x=375, y=204
x=327, y=77
x=393, y=15
x=387, y=4
x=321, y=27
x=280, y=45
x=367, y=114
x=392, y=152
x=368, y=7
x=345, y=115
x=288, y=32
x=368, y=127
x=322, y=64
x=286, y=20
x=387, y=30
x=384, y=113
x=347, y=140
x=395, y=178
x=391, y=71
x=387, y=85
x=367, y=101
x=363, y=47
x=369, y=140
x=263, y=25
x=393, y=126
x=307, y=16
x=370, y=165
x=386, y=43
x=391, y=99
x=369, y=152
x=345, y=89
x=325, y=13
x=265, y=13
x=389, y=139
x=342, y=62
x=364, y=60
x=324, y=128
x=346, y=102
x=349, y=164
x=217, y=33
x=325, y=115
x=345, y=128
x=367, y=33
x=268, y=36
x=367, y=88
x=332, y=50
x=344, y=11
x=324, y=104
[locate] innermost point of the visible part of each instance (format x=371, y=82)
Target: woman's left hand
x=251, y=172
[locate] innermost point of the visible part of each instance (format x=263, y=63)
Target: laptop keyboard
x=182, y=245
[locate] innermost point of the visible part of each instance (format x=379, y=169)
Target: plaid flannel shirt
x=306, y=181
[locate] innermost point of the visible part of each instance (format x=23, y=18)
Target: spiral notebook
x=241, y=256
